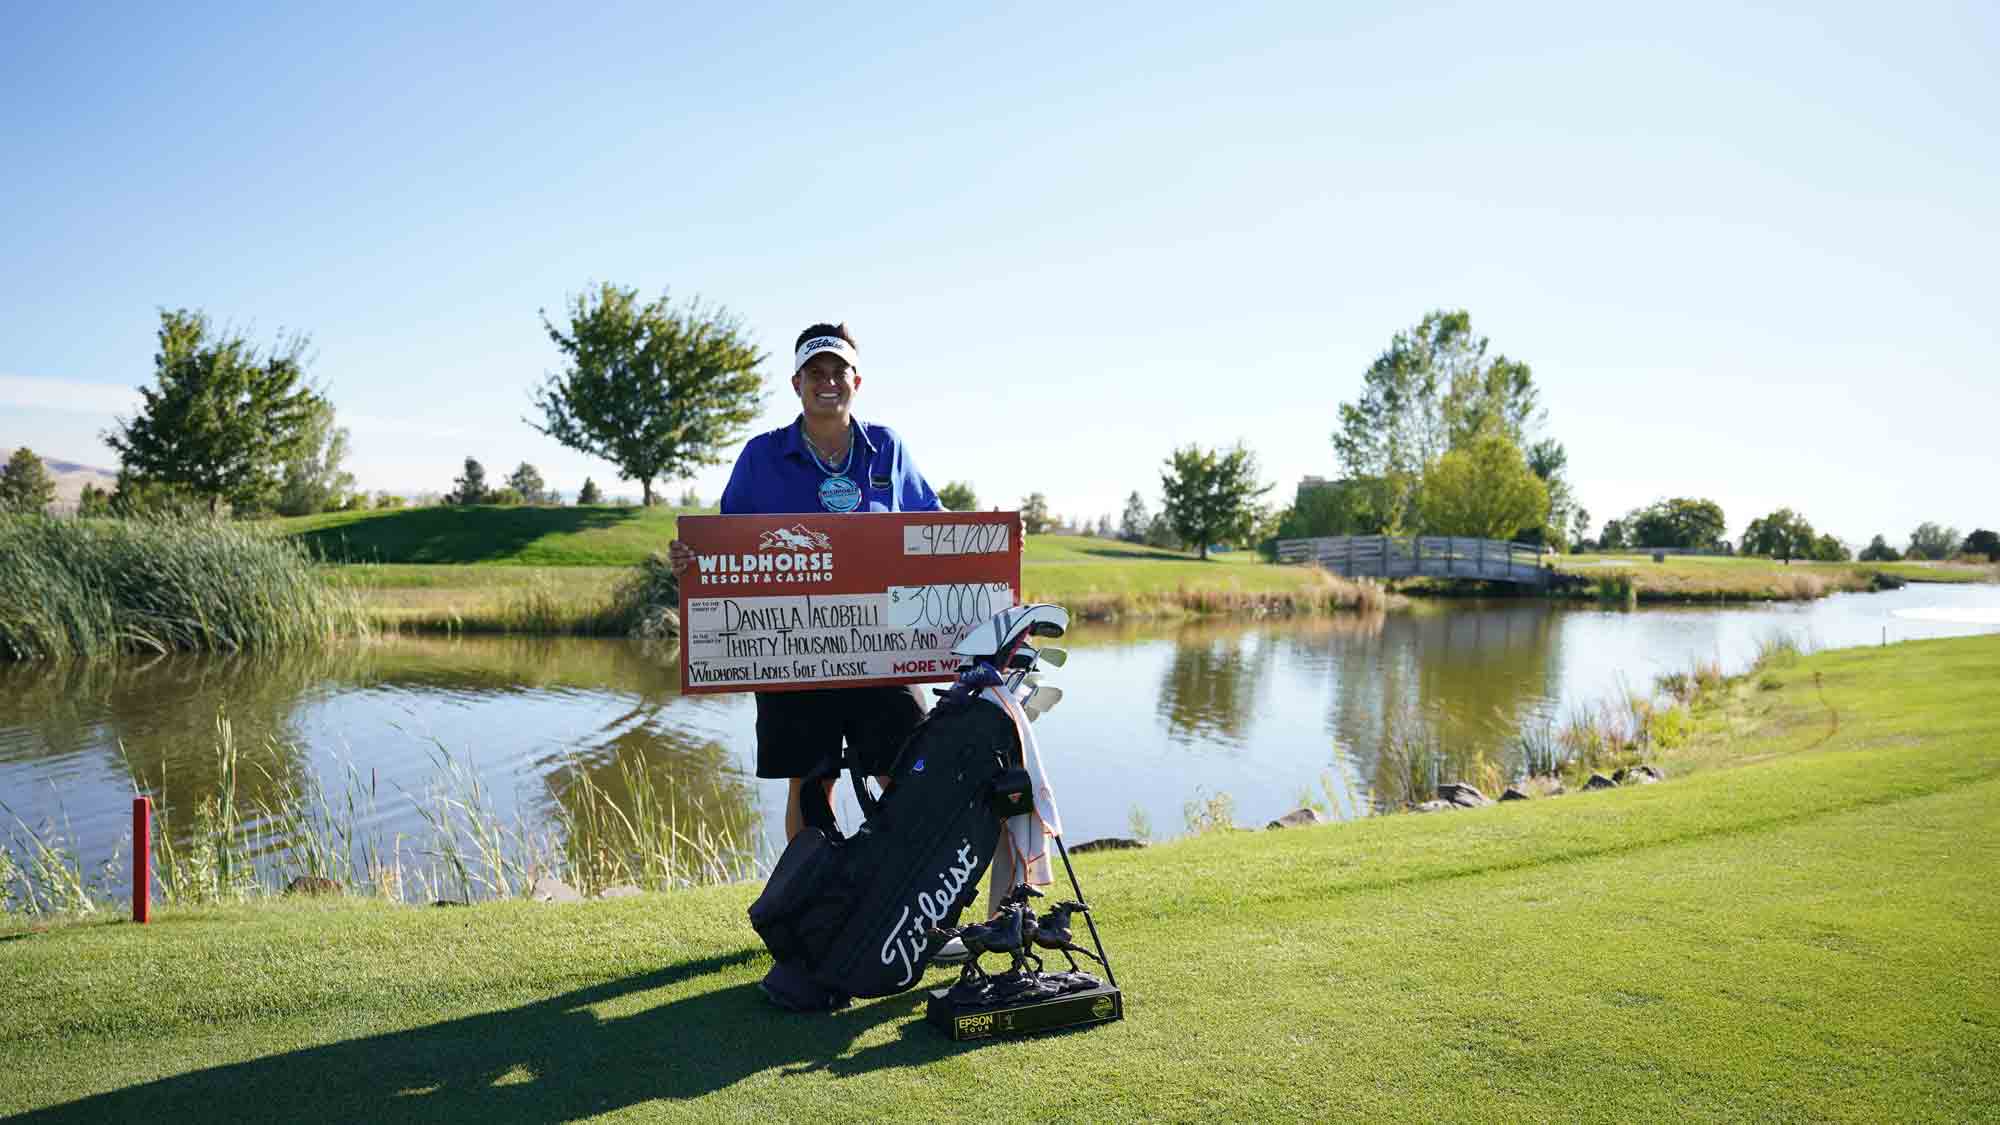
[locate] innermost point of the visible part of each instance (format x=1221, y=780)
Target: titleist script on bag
x=787, y=602
x=906, y=941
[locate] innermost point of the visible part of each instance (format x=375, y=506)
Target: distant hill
x=70, y=477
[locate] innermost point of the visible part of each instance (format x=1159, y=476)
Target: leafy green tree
x=1549, y=461
x=1434, y=388
x=1930, y=541
x=1783, y=534
x=526, y=481
x=589, y=493
x=1160, y=533
x=1679, y=522
x=689, y=499
x=506, y=496
x=1826, y=548
x=1579, y=531
x=1614, y=537
x=1035, y=514
x=1982, y=542
x=1104, y=526
x=25, y=483
x=312, y=478
x=1483, y=489
x=222, y=419
x=134, y=495
x=1133, y=522
x=1878, y=550
x=470, y=486
x=95, y=503
x=1211, y=495
x=385, y=501
x=656, y=390
x=1342, y=507
x=959, y=497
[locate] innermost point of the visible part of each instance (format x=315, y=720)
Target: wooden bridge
x=1429, y=556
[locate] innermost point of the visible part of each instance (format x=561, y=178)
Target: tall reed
x=78, y=588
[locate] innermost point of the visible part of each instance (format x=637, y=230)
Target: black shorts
x=796, y=729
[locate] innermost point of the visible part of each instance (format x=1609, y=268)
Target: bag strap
x=816, y=802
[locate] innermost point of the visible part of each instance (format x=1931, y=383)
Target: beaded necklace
x=813, y=449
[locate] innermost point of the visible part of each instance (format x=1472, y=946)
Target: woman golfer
x=826, y=460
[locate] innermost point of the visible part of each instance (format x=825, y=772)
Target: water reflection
x=530, y=717
x=1271, y=712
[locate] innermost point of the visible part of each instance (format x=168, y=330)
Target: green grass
x=507, y=536
x=480, y=569
x=73, y=588
x=1748, y=578
x=1798, y=926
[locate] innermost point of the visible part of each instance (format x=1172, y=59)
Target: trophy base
x=962, y=1022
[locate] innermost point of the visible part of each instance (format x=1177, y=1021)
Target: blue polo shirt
x=776, y=473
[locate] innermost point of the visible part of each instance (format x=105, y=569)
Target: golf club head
x=1039, y=701
x=1055, y=657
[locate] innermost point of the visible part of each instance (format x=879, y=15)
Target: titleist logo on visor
x=820, y=344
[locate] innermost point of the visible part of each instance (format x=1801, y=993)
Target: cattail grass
x=81, y=588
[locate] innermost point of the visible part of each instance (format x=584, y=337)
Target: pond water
x=1154, y=717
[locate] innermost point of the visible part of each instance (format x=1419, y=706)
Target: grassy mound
x=1800, y=930
x=81, y=588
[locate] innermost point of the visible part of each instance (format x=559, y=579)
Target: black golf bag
x=852, y=916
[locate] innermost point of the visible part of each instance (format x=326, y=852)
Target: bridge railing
x=1431, y=556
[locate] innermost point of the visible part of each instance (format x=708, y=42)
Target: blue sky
x=1750, y=255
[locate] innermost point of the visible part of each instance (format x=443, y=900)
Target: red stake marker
x=142, y=859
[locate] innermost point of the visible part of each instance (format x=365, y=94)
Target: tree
x=1433, y=389
x=469, y=487
x=1614, y=535
x=25, y=484
x=1342, y=507
x=1826, y=548
x=385, y=501
x=1549, y=461
x=689, y=499
x=656, y=390
x=95, y=503
x=959, y=497
x=1680, y=522
x=1580, y=525
x=1034, y=514
x=223, y=417
x=1132, y=524
x=1160, y=533
x=1104, y=526
x=1781, y=535
x=589, y=493
x=1929, y=541
x=1484, y=489
x=312, y=478
x=1878, y=550
x=1211, y=495
x=1982, y=542
x=526, y=481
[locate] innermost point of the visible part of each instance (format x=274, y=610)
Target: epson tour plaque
x=788, y=602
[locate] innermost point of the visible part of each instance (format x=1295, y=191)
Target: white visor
x=819, y=344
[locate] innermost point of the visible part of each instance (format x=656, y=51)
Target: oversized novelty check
x=784, y=603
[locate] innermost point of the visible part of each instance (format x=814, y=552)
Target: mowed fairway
x=1800, y=925
x=486, y=569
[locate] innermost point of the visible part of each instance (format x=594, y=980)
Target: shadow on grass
x=1108, y=551
x=455, y=535
x=555, y=1059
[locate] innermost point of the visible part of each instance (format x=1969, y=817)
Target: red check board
x=792, y=602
